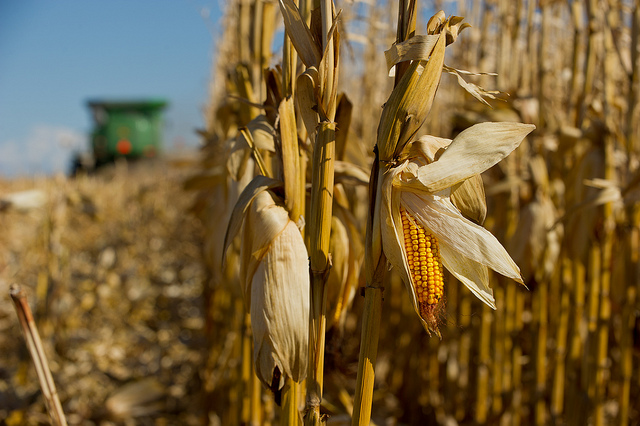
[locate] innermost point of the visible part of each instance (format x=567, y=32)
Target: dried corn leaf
x=343, y=120
x=307, y=99
x=337, y=279
x=417, y=48
x=328, y=70
x=238, y=152
x=436, y=22
x=289, y=145
x=470, y=151
x=476, y=91
x=454, y=28
x=300, y=34
x=262, y=132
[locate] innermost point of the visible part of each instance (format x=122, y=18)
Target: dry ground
x=111, y=264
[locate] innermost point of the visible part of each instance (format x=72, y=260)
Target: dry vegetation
x=114, y=263
x=111, y=264
x=563, y=203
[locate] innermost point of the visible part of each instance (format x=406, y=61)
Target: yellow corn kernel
x=425, y=264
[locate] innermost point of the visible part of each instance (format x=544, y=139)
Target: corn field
x=497, y=133
x=563, y=352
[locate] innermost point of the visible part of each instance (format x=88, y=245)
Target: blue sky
x=56, y=54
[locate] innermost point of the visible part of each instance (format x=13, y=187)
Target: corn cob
x=425, y=265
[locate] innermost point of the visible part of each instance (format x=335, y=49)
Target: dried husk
x=468, y=196
x=468, y=147
x=253, y=189
x=409, y=104
x=274, y=265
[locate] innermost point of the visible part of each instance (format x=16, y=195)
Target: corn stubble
x=564, y=204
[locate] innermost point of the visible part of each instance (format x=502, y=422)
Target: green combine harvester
x=123, y=129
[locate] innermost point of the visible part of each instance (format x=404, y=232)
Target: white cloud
x=45, y=149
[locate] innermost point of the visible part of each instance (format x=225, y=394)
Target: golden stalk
x=290, y=414
x=372, y=311
x=464, y=318
x=246, y=91
x=499, y=352
x=484, y=360
x=294, y=188
x=527, y=77
x=239, y=389
x=375, y=272
x=541, y=320
x=452, y=364
x=34, y=344
x=375, y=262
x=509, y=334
x=604, y=314
x=589, y=366
x=504, y=60
x=322, y=180
x=246, y=371
x=576, y=346
x=503, y=322
x=244, y=30
x=396, y=327
x=319, y=234
x=543, y=65
x=256, y=418
x=257, y=66
x=576, y=66
x=559, y=379
x=434, y=390
x=590, y=66
x=517, y=400
x=633, y=111
x=628, y=317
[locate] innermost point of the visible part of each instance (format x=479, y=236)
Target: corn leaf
x=300, y=34
x=289, y=142
x=476, y=91
x=306, y=97
x=417, y=48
